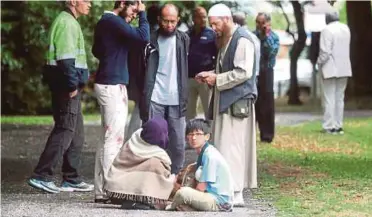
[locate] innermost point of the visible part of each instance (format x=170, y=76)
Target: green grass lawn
x=48, y=119
x=307, y=173
x=40, y=119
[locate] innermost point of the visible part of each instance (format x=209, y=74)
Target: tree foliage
x=24, y=33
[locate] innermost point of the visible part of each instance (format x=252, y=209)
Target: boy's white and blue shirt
x=215, y=171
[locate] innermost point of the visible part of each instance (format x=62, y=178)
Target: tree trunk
x=360, y=22
x=296, y=50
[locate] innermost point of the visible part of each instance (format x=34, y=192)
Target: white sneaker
x=168, y=207
x=238, y=199
x=82, y=187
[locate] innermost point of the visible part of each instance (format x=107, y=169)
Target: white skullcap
x=219, y=10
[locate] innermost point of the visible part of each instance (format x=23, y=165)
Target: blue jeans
x=176, y=132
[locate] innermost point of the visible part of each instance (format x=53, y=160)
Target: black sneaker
x=136, y=206
x=329, y=131
x=340, y=131
x=103, y=200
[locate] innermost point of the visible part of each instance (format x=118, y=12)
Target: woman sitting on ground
x=140, y=176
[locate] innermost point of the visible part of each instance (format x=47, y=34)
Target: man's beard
x=222, y=40
x=123, y=14
x=219, y=42
x=166, y=33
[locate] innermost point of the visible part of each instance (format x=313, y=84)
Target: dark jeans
x=65, y=141
x=265, y=107
x=176, y=133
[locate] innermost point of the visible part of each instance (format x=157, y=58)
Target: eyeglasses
x=195, y=134
x=173, y=22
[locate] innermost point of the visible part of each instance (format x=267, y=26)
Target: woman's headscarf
x=155, y=132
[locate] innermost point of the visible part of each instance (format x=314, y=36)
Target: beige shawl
x=140, y=173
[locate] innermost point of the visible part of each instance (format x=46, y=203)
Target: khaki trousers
x=198, y=200
x=195, y=90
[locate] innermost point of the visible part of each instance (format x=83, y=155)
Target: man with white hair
x=334, y=63
x=66, y=73
x=234, y=94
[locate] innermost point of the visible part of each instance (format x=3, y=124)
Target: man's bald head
x=199, y=17
x=169, y=9
x=199, y=10
x=168, y=19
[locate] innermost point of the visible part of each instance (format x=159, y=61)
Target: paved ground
x=22, y=145
x=287, y=119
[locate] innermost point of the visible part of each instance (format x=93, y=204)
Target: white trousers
x=195, y=90
x=113, y=101
x=333, y=102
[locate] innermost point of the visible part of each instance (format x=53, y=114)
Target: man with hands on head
x=113, y=38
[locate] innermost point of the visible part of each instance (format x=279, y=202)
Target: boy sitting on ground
x=214, y=185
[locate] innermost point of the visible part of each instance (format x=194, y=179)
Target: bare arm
x=201, y=186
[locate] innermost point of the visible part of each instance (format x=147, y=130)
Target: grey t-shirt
x=166, y=84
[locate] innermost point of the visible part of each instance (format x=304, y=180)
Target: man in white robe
x=233, y=136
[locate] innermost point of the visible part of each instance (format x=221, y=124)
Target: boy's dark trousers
x=65, y=141
x=265, y=107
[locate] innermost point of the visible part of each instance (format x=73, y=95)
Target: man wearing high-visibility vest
x=66, y=72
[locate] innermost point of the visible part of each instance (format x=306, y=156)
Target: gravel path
x=290, y=119
x=20, y=150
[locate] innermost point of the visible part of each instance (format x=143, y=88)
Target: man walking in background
x=66, y=73
x=113, y=37
x=334, y=64
x=202, y=57
x=265, y=108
